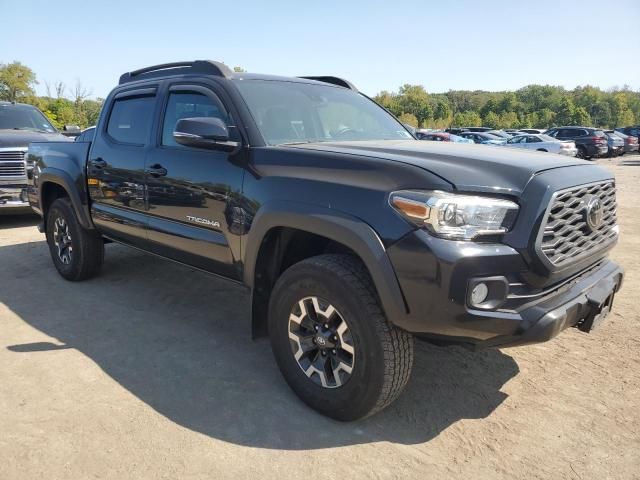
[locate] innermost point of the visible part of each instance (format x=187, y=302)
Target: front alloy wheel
x=62, y=240
x=332, y=341
x=321, y=342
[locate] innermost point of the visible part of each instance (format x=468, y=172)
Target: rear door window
x=130, y=119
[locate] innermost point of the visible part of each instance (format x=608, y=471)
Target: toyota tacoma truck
x=20, y=124
x=352, y=236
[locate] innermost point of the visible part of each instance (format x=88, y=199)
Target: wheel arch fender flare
x=63, y=179
x=334, y=225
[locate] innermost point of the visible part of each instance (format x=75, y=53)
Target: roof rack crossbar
x=207, y=67
x=341, y=82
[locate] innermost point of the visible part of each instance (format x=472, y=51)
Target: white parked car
x=542, y=143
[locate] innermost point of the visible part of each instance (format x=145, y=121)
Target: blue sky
x=489, y=45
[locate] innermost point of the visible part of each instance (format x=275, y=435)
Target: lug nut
x=333, y=351
x=326, y=325
x=335, y=338
x=324, y=354
x=316, y=327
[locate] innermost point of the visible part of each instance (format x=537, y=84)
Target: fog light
x=479, y=293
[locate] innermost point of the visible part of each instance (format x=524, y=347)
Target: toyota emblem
x=594, y=212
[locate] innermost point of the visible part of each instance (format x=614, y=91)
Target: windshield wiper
x=301, y=142
x=31, y=129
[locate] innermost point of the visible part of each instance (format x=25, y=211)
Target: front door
x=192, y=192
x=115, y=169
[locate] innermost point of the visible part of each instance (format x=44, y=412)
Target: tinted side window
x=533, y=139
x=188, y=105
x=130, y=120
x=567, y=133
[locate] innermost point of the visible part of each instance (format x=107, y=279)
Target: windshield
x=23, y=117
x=295, y=112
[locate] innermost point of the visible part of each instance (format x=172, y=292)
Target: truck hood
x=467, y=167
x=22, y=138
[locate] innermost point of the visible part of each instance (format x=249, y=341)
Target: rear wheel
x=332, y=341
x=582, y=153
x=77, y=253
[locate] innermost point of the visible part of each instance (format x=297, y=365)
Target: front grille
x=566, y=235
x=12, y=164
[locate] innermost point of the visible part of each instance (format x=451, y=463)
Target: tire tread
x=397, y=345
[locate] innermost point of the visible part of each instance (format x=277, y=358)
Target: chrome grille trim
x=12, y=163
x=564, y=236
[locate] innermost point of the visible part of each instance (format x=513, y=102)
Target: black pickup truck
x=352, y=236
x=20, y=124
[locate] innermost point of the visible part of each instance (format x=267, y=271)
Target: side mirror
x=204, y=132
x=71, y=130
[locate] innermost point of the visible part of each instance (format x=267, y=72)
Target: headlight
x=454, y=216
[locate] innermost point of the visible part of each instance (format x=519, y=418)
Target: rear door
x=115, y=169
x=194, y=194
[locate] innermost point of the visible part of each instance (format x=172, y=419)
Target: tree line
x=63, y=104
x=533, y=106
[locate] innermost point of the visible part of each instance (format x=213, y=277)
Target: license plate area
x=597, y=315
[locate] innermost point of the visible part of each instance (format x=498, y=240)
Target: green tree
x=491, y=119
x=389, y=101
x=508, y=120
x=546, y=118
x=621, y=113
x=600, y=113
x=16, y=81
x=509, y=103
x=414, y=99
x=565, y=113
x=467, y=119
x=409, y=119
x=490, y=106
x=581, y=116
x=442, y=110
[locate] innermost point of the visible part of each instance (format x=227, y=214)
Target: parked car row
x=581, y=142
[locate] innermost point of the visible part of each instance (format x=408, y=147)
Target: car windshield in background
x=23, y=117
x=546, y=138
x=296, y=112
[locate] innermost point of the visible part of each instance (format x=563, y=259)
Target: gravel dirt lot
x=148, y=372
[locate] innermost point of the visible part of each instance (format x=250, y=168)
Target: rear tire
x=77, y=253
x=582, y=153
x=362, y=363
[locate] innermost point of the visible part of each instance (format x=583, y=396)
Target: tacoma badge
x=203, y=221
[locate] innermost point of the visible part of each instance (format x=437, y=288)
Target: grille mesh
x=12, y=164
x=566, y=236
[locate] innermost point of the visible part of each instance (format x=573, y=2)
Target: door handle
x=98, y=163
x=157, y=170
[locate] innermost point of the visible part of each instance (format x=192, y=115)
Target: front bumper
x=14, y=198
x=571, y=306
x=434, y=275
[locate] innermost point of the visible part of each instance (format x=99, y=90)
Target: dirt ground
x=148, y=372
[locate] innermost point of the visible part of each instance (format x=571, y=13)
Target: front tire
x=77, y=253
x=331, y=340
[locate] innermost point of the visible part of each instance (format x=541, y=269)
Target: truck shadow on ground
x=15, y=221
x=179, y=341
